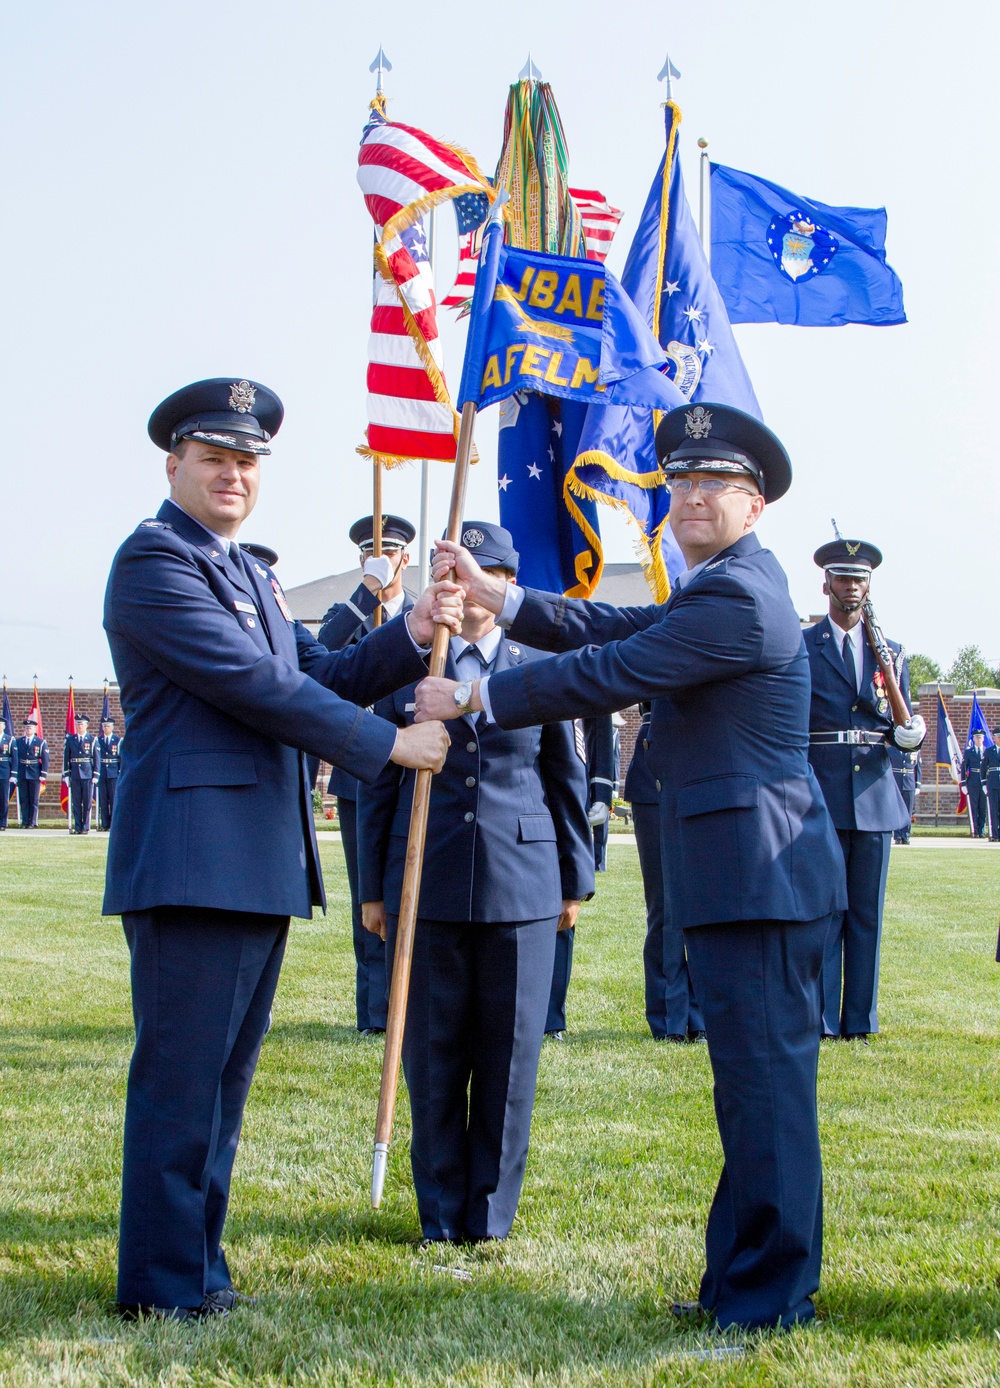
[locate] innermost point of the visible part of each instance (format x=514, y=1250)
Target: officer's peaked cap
x=717, y=438
x=32, y=721
x=395, y=531
x=229, y=411
x=265, y=553
x=849, y=557
x=491, y=545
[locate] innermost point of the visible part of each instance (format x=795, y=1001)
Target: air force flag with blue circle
x=779, y=258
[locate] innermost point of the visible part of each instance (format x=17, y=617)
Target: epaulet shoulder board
x=155, y=525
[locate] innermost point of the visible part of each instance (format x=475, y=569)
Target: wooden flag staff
x=400, y=989
x=377, y=527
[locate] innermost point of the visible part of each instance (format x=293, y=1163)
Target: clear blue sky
x=179, y=201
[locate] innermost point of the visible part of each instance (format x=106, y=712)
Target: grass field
x=623, y=1163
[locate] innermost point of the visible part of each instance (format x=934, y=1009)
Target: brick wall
x=52, y=702
x=959, y=707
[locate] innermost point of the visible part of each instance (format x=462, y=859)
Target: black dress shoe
x=228, y=1298
x=426, y=1244
x=688, y=1310
x=861, y=1036
x=695, y=1036
x=208, y=1309
x=677, y=1037
x=372, y=1031
x=556, y=1035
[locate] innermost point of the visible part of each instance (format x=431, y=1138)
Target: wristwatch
x=463, y=696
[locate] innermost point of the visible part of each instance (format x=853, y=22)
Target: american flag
x=403, y=174
x=600, y=221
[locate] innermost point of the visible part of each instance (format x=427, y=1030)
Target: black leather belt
x=854, y=737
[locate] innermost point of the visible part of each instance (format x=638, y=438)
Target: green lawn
x=623, y=1164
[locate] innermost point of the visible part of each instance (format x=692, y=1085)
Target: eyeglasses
x=708, y=486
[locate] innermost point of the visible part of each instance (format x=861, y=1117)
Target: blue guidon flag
x=781, y=258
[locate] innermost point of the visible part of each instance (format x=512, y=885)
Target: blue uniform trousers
x=202, y=986
x=27, y=794
x=81, y=797
x=371, y=986
x=474, y=1024
x=562, y=968
x=106, y=801
x=5, y=789
x=856, y=936
x=671, y=1006
x=993, y=796
x=759, y=987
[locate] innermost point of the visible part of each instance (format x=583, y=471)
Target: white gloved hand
x=910, y=738
x=380, y=568
x=598, y=813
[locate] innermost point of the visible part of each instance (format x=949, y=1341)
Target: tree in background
x=970, y=671
x=923, y=670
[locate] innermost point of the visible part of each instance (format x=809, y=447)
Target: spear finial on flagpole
x=379, y=64
x=669, y=72
x=529, y=71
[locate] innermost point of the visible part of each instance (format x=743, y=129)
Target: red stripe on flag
x=400, y=162
x=411, y=443
x=404, y=382
x=387, y=318
x=440, y=151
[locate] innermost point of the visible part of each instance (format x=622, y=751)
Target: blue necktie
x=852, y=669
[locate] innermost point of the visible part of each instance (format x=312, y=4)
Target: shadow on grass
x=913, y=1316
x=331, y=1033
x=67, y=1031
x=23, y=1231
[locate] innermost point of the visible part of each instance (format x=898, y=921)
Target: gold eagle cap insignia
x=698, y=422
x=852, y=549
x=241, y=397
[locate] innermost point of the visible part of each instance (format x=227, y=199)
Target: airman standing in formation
x=109, y=770
x=974, y=784
x=850, y=725
x=991, y=774
x=82, y=770
x=8, y=771
x=32, y=772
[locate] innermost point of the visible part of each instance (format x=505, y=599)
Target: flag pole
x=380, y=64
x=704, y=204
x=486, y=278
x=423, y=567
x=403, y=959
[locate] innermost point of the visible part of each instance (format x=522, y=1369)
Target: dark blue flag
x=7, y=715
x=668, y=279
x=780, y=258
x=978, y=724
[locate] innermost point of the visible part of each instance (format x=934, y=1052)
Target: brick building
x=52, y=703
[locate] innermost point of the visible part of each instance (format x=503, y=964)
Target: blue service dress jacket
x=110, y=757
x=508, y=837
x=32, y=758
x=640, y=783
x=8, y=758
x=222, y=692
x=344, y=624
x=746, y=834
x=81, y=757
x=857, y=782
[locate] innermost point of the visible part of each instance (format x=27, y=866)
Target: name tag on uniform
x=279, y=598
x=245, y=607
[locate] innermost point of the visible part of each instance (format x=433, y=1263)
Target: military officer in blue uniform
x=345, y=623
x=850, y=727
x=974, y=784
x=8, y=771
x=991, y=774
x=509, y=857
x=110, y=768
x=906, y=769
x=754, y=874
x=32, y=772
x=212, y=846
x=81, y=771
x=672, y=1010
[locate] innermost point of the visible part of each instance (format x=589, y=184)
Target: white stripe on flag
x=416, y=149
x=426, y=416
x=387, y=183
x=389, y=350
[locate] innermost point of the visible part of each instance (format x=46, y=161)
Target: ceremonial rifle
x=883, y=655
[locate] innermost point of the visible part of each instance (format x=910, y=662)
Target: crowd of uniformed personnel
x=90, y=766
x=762, y=791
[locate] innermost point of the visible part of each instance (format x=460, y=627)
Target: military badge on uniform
x=241, y=397
x=801, y=249
x=279, y=598
x=472, y=539
x=698, y=422
x=882, y=703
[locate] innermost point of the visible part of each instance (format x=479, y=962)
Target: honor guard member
x=8, y=771
x=599, y=747
x=850, y=727
x=110, y=766
x=754, y=874
x=344, y=624
x=81, y=771
x=974, y=784
x=32, y=772
x=672, y=1009
x=906, y=769
x=212, y=845
x=991, y=772
x=509, y=857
